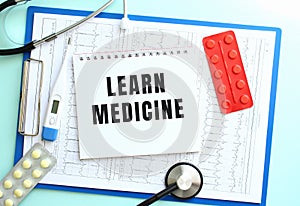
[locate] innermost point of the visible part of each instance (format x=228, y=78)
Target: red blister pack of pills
x=227, y=71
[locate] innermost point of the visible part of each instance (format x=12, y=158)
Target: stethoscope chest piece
x=183, y=180
x=188, y=178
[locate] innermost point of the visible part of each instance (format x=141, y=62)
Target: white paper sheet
x=231, y=160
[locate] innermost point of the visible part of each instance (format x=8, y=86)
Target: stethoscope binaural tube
x=183, y=180
x=26, y=48
x=8, y=3
x=32, y=45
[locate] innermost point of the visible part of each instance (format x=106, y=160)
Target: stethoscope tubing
x=23, y=49
x=7, y=4
x=32, y=45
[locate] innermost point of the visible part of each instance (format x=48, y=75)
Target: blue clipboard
x=19, y=138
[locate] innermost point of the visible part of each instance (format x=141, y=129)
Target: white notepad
x=133, y=103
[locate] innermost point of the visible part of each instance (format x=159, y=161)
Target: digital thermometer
x=57, y=99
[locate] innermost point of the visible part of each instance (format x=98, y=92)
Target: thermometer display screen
x=54, y=106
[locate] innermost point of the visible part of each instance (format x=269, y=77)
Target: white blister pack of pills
x=25, y=175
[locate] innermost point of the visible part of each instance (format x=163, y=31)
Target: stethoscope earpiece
x=183, y=180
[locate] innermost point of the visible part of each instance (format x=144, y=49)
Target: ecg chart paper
x=231, y=158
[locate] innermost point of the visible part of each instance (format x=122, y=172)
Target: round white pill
x=7, y=184
x=1, y=194
x=27, y=184
x=8, y=202
x=36, y=154
x=36, y=173
x=26, y=164
x=45, y=163
x=18, y=193
x=17, y=174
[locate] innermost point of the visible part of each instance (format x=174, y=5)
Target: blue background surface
x=283, y=180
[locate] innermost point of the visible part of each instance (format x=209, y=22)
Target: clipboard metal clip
x=24, y=104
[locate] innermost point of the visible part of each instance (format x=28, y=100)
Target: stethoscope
x=33, y=44
x=183, y=180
